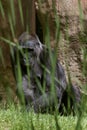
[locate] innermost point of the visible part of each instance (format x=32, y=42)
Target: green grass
x=13, y=119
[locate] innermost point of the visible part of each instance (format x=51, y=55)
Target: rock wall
x=12, y=24
x=73, y=17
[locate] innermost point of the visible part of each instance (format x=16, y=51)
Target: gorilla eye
x=27, y=50
x=37, y=43
x=30, y=50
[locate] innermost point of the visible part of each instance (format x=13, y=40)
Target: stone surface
x=73, y=18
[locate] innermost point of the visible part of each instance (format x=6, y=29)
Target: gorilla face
x=30, y=42
x=29, y=55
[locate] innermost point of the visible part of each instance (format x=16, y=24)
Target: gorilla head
x=31, y=43
x=30, y=48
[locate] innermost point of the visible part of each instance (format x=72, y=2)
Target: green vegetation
x=14, y=119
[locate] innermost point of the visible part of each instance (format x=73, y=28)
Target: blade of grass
x=81, y=14
x=56, y=122
x=78, y=125
x=53, y=60
x=2, y=9
x=19, y=79
x=7, y=41
x=1, y=57
x=11, y=25
x=80, y=10
x=21, y=11
x=12, y=11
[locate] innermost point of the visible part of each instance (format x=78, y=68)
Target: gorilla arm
x=43, y=103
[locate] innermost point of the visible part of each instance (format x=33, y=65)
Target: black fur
x=37, y=80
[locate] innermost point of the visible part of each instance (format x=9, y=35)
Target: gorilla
x=41, y=84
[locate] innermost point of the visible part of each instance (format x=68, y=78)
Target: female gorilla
x=40, y=90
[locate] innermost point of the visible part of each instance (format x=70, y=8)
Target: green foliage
x=14, y=119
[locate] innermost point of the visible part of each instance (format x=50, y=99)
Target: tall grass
x=17, y=120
